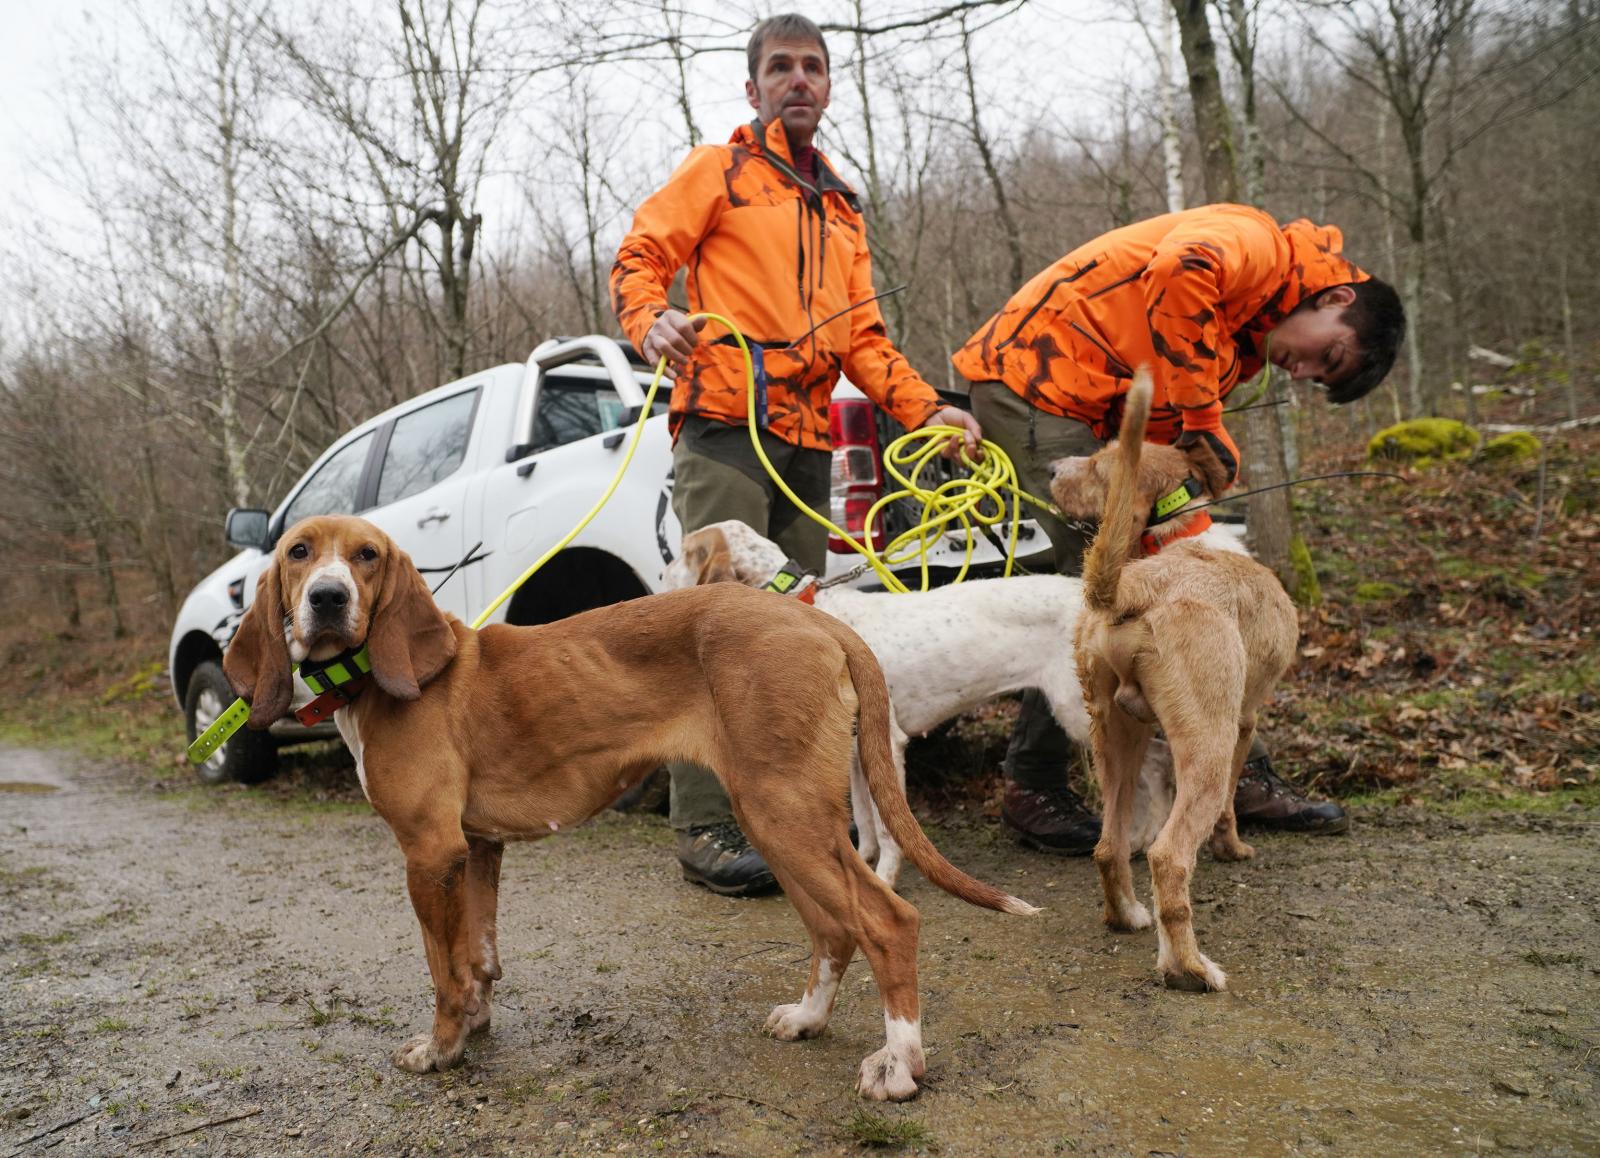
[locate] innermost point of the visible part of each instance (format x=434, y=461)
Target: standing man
x=774, y=241
x=1203, y=297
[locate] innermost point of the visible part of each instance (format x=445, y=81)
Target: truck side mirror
x=247, y=527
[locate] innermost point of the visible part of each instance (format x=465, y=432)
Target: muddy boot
x=1038, y=806
x=718, y=857
x=1051, y=819
x=1264, y=800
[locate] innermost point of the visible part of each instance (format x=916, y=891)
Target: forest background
x=251, y=226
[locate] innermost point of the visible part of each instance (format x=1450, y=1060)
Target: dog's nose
x=328, y=598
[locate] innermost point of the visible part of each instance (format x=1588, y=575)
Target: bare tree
x=1213, y=125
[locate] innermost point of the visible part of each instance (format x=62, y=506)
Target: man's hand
x=672, y=336
x=969, y=441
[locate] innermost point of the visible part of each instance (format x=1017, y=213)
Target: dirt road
x=176, y=958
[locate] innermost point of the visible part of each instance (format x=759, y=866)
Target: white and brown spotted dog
x=943, y=652
x=1189, y=639
x=466, y=739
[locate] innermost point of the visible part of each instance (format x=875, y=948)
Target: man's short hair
x=789, y=26
x=1379, y=320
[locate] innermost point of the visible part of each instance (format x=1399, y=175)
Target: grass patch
x=1550, y=1035
x=107, y=732
x=60, y=938
x=1545, y=960
x=112, y=1025
x=1471, y=802
x=869, y=1129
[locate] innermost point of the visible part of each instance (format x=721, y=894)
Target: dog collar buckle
x=793, y=579
x=329, y=702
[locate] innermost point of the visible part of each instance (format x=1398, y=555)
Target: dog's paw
x=888, y=869
x=421, y=1054
x=1235, y=849
x=1205, y=975
x=891, y=1074
x=1130, y=918
x=794, y=1023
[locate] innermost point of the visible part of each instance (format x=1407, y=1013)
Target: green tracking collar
x=1172, y=502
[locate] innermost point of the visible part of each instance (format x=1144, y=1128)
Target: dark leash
x=464, y=560
x=1296, y=482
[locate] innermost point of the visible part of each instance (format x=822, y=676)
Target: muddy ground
x=174, y=957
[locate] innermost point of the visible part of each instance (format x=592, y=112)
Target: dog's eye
x=299, y=551
x=367, y=554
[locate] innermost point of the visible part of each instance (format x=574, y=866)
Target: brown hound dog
x=1190, y=638
x=466, y=739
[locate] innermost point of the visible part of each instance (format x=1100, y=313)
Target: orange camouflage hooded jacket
x=779, y=258
x=1191, y=294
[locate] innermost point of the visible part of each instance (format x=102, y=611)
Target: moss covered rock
x=1307, y=590
x=1516, y=447
x=1423, y=440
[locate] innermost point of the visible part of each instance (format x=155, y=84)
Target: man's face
x=1316, y=343
x=791, y=84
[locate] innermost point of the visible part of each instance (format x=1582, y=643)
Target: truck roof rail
x=634, y=357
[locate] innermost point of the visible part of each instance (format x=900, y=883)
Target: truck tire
x=249, y=757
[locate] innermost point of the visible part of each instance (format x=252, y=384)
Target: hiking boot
x=718, y=857
x=1053, y=819
x=1264, y=800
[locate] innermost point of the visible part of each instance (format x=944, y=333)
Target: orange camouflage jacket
x=779, y=258
x=1191, y=294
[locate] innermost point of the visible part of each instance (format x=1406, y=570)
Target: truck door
x=421, y=490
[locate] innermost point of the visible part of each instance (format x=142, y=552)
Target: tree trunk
x=1271, y=521
x=1211, y=121
x=1171, y=142
x=234, y=441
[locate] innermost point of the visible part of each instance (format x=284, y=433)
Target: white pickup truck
x=509, y=458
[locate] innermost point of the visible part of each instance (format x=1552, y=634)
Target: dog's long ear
x=708, y=558
x=1213, y=473
x=257, y=660
x=409, y=640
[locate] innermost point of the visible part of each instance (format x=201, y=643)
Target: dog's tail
x=877, y=760
x=1122, y=522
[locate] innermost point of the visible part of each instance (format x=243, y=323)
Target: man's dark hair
x=788, y=26
x=1379, y=320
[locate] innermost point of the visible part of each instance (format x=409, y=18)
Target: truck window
x=571, y=408
x=336, y=486
x=426, y=446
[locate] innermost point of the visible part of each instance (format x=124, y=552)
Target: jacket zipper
x=1117, y=284
x=807, y=191
x=1117, y=363
x=1039, y=305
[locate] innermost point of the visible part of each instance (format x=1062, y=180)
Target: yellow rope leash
x=958, y=501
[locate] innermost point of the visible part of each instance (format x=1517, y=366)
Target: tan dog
x=466, y=739
x=1190, y=638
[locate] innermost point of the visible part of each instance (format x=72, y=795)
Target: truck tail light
x=857, y=472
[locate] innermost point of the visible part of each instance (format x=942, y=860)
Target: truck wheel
x=248, y=757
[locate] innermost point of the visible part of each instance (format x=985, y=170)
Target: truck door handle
x=434, y=515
